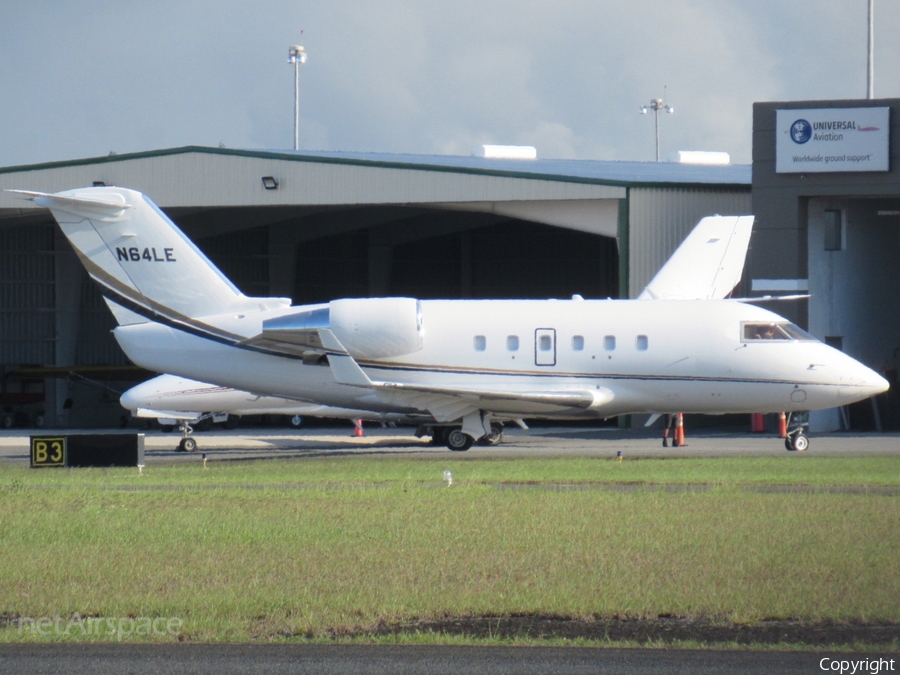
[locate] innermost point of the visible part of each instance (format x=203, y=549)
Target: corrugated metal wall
x=660, y=219
x=96, y=345
x=243, y=257
x=203, y=179
x=27, y=297
x=28, y=318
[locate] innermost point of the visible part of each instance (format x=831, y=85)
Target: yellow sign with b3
x=48, y=451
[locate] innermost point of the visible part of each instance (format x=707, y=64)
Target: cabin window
x=577, y=343
x=545, y=344
x=512, y=343
x=480, y=343
x=641, y=343
x=774, y=331
x=609, y=343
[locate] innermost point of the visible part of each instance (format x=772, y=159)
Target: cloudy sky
x=82, y=78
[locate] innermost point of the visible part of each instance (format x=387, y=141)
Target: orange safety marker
x=679, y=430
x=757, y=423
x=782, y=425
x=358, y=433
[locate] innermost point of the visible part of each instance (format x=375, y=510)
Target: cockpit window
x=781, y=330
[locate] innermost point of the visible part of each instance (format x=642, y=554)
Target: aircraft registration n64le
x=463, y=362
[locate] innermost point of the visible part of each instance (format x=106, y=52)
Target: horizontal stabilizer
x=141, y=260
x=110, y=204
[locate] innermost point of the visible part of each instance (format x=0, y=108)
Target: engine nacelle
x=377, y=328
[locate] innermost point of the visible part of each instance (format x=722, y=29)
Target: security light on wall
x=269, y=183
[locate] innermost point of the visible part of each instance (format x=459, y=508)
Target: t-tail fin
x=708, y=264
x=141, y=260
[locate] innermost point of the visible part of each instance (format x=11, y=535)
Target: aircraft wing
x=707, y=265
x=449, y=403
x=166, y=414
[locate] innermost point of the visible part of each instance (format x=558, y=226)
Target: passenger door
x=545, y=347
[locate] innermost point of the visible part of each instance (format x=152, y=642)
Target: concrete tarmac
x=269, y=442
x=227, y=659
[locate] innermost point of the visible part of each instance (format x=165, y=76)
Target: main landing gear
x=457, y=440
x=797, y=430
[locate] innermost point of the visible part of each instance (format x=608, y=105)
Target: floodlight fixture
x=269, y=183
x=656, y=105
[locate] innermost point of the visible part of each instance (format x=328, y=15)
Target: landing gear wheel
x=187, y=445
x=458, y=441
x=799, y=443
x=439, y=435
x=787, y=444
x=493, y=438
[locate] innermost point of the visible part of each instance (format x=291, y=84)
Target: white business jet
x=178, y=400
x=465, y=362
x=707, y=265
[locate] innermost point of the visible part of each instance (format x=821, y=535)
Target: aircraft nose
x=864, y=383
x=876, y=383
x=128, y=400
x=136, y=397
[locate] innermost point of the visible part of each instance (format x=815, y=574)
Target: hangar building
x=315, y=226
x=826, y=195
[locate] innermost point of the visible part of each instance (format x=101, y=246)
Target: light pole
x=297, y=56
x=870, y=62
x=656, y=105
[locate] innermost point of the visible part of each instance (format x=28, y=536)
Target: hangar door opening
x=854, y=249
x=457, y=255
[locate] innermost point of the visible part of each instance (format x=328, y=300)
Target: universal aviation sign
x=832, y=139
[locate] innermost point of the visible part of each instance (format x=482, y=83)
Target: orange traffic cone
x=679, y=430
x=358, y=431
x=782, y=425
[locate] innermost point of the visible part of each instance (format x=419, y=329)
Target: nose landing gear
x=187, y=442
x=797, y=430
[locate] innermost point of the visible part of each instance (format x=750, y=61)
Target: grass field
x=260, y=550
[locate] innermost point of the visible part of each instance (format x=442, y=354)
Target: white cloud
x=84, y=77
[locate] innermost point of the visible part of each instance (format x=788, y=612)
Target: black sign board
x=100, y=450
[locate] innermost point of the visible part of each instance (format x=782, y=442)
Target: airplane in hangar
x=706, y=265
x=463, y=362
